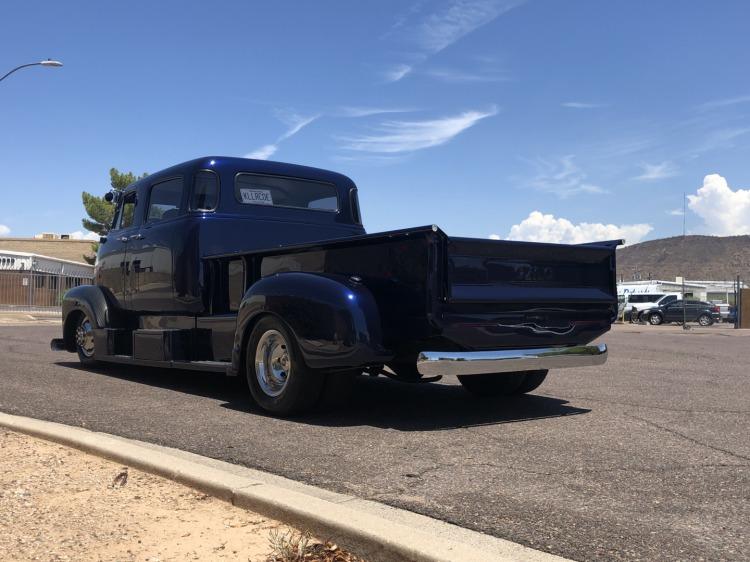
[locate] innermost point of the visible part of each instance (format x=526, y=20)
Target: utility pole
x=684, y=213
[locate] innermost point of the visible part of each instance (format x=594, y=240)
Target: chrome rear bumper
x=432, y=363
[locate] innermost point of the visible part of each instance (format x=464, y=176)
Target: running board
x=222, y=367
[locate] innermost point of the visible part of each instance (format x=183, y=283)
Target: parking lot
x=646, y=457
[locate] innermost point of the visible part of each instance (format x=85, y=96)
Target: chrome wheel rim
x=273, y=366
x=85, y=337
x=703, y=320
x=655, y=320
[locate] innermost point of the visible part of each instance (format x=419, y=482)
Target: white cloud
x=81, y=235
x=657, y=171
x=538, y=227
x=397, y=72
x=295, y=124
x=263, y=153
x=726, y=212
x=407, y=136
x=494, y=237
x=4, y=230
x=676, y=212
x=581, y=105
x=562, y=178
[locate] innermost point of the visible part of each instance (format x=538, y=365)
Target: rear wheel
x=279, y=380
x=705, y=320
x=493, y=384
x=84, y=339
x=531, y=381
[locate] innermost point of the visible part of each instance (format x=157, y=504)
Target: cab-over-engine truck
x=263, y=270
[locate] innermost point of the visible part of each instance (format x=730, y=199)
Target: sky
x=538, y=120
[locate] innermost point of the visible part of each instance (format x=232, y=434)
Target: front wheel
x=655, y=319
x=84, y=340
x=279, y=381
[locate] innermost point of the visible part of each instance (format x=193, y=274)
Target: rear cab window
x=277, y=191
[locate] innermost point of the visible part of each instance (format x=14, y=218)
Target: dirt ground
x=59, y=504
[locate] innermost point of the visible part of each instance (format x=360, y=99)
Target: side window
x=164, y=201
x=205, y=191
x=127, y=211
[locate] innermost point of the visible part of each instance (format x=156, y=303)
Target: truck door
x=112, y=266
x=152, y=249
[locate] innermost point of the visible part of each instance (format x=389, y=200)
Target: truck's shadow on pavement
x=376, y=402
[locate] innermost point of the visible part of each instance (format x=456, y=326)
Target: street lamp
x=48, y=63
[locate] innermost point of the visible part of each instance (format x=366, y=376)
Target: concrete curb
x=375, y=531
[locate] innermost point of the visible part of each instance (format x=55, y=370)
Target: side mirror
x=109, y=197
x=102, y=239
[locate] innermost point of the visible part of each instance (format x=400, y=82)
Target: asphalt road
x=646, y=458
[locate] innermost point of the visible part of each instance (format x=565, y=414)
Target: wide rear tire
x=531, y=381
x=279, y=381
x=492, y=384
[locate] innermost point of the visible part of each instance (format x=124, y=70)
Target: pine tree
x=100, y=212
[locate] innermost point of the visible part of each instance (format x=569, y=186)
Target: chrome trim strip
x=433, y=363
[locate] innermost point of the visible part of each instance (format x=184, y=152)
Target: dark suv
x=704, y=313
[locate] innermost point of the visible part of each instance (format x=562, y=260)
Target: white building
x=711, y=291
x=34, y=263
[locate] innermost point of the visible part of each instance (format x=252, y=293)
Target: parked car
x=643, y=302
x=728, y=312
x=263, y=270
x=704, y=313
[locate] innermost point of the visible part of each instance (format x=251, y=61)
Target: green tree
x=100, y=212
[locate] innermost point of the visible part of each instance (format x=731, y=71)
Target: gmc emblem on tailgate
x=527, y=273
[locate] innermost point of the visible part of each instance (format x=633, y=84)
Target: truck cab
x=263, y=270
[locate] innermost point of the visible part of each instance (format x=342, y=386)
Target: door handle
x=123, y=238
x=137, y=237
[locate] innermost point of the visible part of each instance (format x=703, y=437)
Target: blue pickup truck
x=263, y=270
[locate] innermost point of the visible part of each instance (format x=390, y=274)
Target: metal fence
x=35, y=291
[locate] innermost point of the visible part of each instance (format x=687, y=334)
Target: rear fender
x=334, y=318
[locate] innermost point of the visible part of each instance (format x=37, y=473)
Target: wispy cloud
x=715, y=104
x=461, y=76
x=439, y=30
x=660, y=171
x=722, y=138
x=396, y=72
x=365, y=111
x=562, y=177
x=294, y=122
x=676, y=212
x=392, y=137
x=582, y=105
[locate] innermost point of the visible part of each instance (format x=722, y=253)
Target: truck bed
x=443, y=293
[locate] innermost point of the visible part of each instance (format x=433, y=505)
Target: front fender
x=92, y=301
x=335, y=319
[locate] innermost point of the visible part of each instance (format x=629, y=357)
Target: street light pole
x=48, y=63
